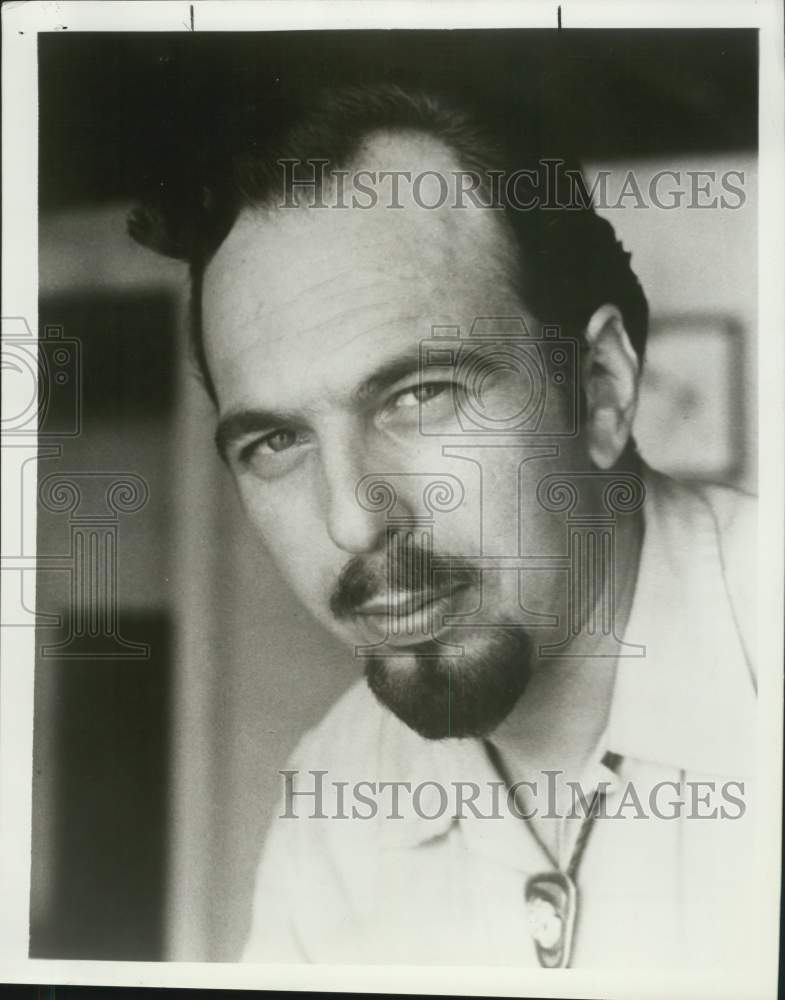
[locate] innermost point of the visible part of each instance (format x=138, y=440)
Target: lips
x=398, y=605
x=410, y=616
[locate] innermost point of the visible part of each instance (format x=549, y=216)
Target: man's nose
x=351, y=526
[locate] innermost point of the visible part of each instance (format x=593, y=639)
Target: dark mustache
x=403, y=567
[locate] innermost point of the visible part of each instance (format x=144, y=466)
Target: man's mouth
x=408, y=616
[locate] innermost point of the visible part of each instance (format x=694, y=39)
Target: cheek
x=505, y=518
x=294, y=537
x=500, y=513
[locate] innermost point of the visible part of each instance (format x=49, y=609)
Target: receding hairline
x=192, y=227
x=478, y=248
x=417, y=150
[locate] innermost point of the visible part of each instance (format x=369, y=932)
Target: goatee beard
x=428, y=687
x=441, y=696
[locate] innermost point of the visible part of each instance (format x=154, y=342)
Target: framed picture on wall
x=693, y=393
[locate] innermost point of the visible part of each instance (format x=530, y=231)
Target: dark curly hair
x=570, y=260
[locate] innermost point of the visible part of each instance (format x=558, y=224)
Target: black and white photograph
x=392, y=451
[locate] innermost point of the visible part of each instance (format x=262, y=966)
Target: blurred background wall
x=155, y=776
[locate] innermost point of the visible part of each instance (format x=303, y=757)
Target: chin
x=446, y=696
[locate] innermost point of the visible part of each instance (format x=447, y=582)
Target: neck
x=560, y=718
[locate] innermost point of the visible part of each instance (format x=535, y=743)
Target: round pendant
x=551, y=900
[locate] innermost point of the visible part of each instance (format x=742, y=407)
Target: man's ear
x=610, y=383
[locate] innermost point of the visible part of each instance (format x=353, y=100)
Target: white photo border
x=22, y=22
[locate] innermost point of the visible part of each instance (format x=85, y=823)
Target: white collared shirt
x=448, y=890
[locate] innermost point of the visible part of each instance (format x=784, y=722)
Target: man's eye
x=419, y=394
x=276, y=441
x=280, y=440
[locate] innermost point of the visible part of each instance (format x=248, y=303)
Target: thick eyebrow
x=388, y=374
x=242, y=422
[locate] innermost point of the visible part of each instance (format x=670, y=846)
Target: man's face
x=313, y=325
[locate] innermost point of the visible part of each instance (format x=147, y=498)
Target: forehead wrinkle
x=265, y=321
x=263, y=315
x=381, y=324
x=331, y=287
